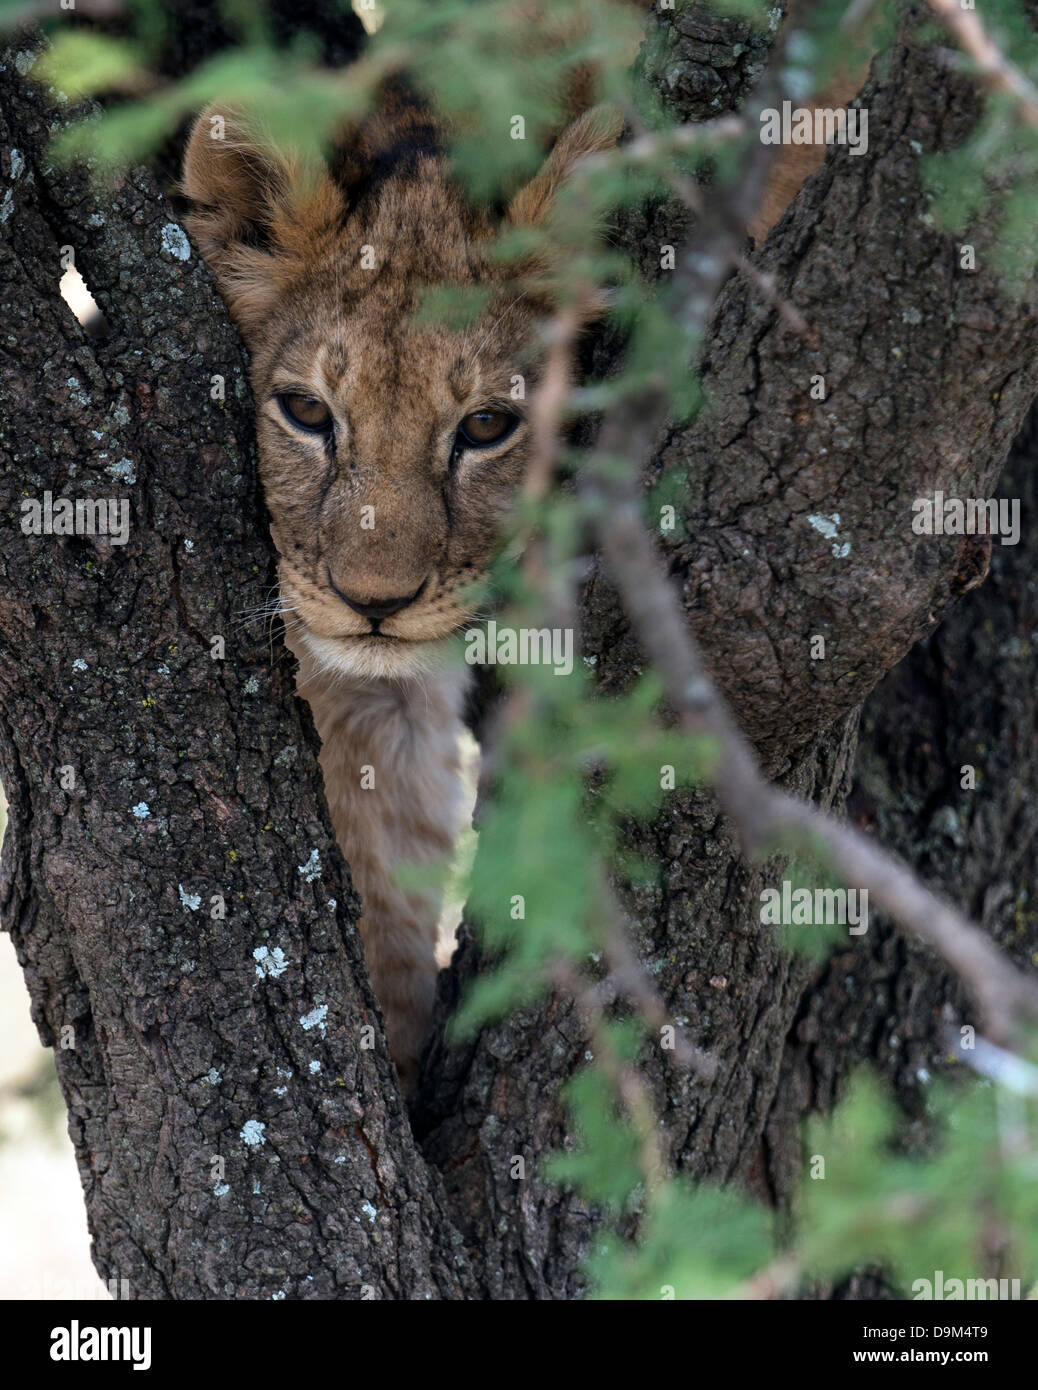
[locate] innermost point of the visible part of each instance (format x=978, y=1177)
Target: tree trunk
x=236, y=1119
x=238, y=1131
x=928, y=372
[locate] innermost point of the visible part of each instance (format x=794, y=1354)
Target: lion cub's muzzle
x=376, y=610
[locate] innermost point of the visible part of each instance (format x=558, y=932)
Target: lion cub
x=388, y=454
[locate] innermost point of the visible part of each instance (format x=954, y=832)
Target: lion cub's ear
x=594, y=131
x=255, y=215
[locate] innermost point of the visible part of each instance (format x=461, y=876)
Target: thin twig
x=997, y=70
x=630, y=978
x=785, y=309
x=763, y=815
x=629, y=1084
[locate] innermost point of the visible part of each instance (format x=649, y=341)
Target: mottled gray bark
x=235, y=1136
x=928, y=373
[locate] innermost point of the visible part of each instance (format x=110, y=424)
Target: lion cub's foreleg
x=389, y=754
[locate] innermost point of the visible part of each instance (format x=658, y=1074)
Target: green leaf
x=81, y=64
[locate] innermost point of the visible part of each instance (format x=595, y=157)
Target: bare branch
x=763, y=815
x=787, y=311
x=998, y=71
x=627, y=1080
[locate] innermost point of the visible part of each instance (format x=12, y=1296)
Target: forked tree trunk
x=236, y=1119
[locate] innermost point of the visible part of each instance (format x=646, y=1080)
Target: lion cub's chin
x=377, y=658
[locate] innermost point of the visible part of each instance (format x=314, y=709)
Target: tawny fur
x=794, y=164
x=389, y=755
x=287, y=248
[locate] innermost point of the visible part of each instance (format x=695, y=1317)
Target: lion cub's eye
x=306, y=411
x=484, y=427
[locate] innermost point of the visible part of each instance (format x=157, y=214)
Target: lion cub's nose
x=378, y=609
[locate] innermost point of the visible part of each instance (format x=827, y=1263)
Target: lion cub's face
x=389, y=452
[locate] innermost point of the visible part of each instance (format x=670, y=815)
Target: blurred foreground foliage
x=575, y=767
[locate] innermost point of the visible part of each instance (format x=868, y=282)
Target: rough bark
x=929, y=372
x=965, y=696
x=176, y=1045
